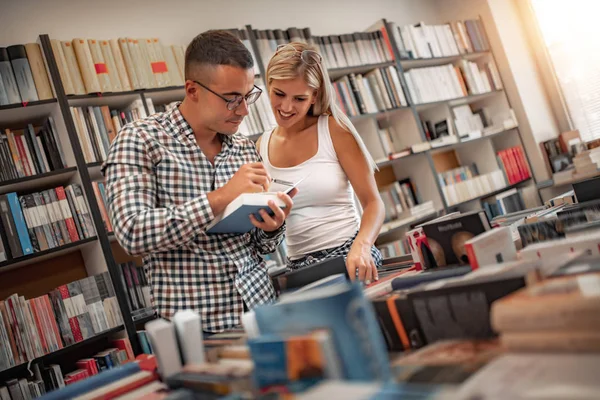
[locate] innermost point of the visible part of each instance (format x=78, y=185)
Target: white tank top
x=324, y=213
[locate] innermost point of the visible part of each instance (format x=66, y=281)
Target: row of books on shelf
x=136, y=285
x=260, y=118
x=30, y=151
x=378, y=90
x=508, y=202
x=116, y=65
x=44, y=220
x=514, y=164
x=338, y=51
x=23, y=75
x=97, y=127
x=427, y=41
x=397, y=248
x=445, y=82
x=46, y=379
x=124, y=64
x=398, y=197
x=68, y=314
x=458, y=186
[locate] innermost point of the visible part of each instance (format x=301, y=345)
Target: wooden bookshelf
x=26, y=104
x=45, y=254
x=408, y=63
x=22, y=369
x=492, y=193
x=335, y=73
x=71, y=262
x=40, y=180
x=457, y=100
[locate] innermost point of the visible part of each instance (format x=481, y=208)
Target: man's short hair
x=213, y=48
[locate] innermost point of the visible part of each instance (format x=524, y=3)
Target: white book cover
x=492, y=247
x=163, y=339
x=189, y=334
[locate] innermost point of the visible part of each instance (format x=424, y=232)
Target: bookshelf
x=100, y=252
x=23, y=369
x=482, y=150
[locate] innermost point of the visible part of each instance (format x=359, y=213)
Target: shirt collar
x=184, y=128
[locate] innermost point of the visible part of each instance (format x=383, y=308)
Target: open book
x=236, y=216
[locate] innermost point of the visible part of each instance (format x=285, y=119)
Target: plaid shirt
x=157, y=185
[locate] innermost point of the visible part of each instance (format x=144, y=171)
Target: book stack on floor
x=23, y=75
x=30, y=151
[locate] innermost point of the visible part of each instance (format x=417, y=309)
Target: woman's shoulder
x=337, y=131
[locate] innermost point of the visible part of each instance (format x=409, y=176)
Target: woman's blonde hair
x=287, y=63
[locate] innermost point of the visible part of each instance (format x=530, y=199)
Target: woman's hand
x=360, y=259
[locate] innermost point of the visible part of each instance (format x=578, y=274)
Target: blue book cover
x=346, y=314
x=281, y=362
x=19, y=218
x=93, y=382
x=236, y=217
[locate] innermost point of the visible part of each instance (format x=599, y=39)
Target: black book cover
x=9, y=228
x=447, y=238
x=312, y=273
x=462, y=312
x=386, y=323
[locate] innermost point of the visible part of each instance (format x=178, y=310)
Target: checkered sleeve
x=141, y=226
x=267, y=242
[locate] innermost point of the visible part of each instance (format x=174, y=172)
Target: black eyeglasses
x=309, y=57
x=235, y=102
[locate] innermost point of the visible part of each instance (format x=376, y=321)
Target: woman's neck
x=297, y=128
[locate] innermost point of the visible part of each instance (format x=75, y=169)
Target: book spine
x=22, y=70
x=38, y=71
x=8, y=78
x=10, y=229
x=19, y=219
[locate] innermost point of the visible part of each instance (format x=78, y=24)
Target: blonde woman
x=316, y=142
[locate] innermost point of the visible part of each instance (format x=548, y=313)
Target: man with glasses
x=170, y=174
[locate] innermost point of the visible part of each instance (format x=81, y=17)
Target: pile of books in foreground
x=481, y=309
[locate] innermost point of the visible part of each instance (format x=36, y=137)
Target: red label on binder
x=159, y=67
x=101, y=68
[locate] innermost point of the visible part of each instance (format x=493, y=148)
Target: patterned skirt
x=327, y=254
